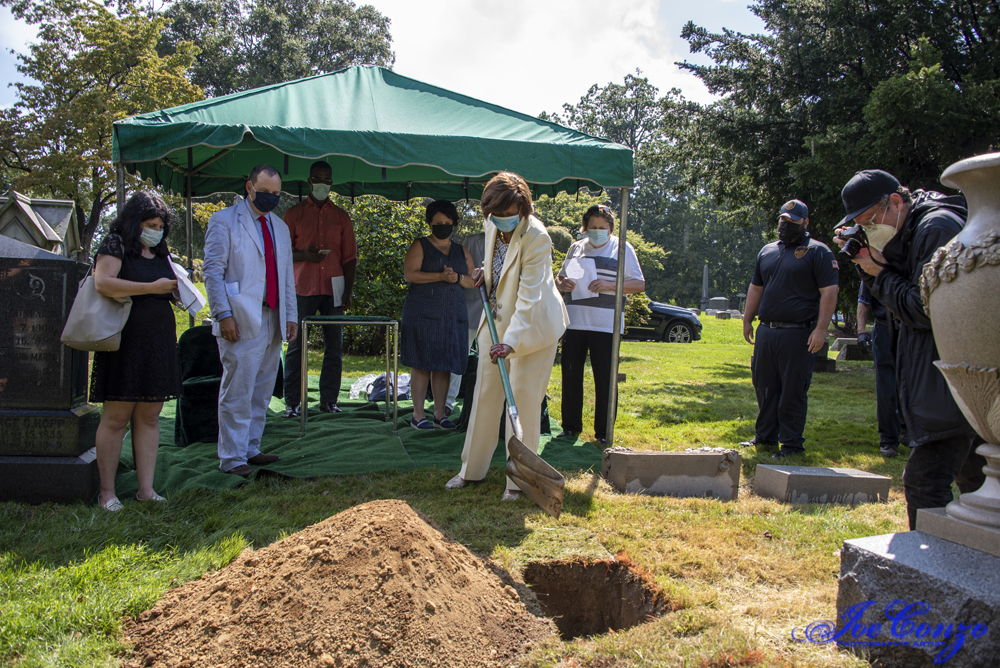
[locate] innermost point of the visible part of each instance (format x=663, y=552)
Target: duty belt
x=786, y=325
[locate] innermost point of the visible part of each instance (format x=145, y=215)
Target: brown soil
x=375, y=585
x=588, y=598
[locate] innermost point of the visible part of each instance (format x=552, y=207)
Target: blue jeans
x=329, y=378
x=885, y=386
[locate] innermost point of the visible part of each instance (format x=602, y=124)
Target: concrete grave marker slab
x=839, y=344
x=704, y=472
x=818, y=484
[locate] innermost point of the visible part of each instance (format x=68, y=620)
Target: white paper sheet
x=338, y=290
x=189, y=296
x=583, y=271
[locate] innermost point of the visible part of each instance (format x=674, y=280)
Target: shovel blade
x=542, y=483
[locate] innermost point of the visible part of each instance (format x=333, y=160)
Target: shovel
x=530, y=472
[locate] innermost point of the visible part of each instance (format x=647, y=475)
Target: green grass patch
x=739, y=575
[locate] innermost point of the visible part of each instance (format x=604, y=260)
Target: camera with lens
x=856, y=240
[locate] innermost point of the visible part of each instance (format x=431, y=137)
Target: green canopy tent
x=383, y=134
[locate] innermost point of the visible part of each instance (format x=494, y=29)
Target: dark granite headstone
x=911, y=600
x=44, y=417
x=823, y=363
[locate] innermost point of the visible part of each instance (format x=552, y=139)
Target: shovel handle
x=496, y=339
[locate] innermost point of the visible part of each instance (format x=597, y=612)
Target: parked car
x=672, y=324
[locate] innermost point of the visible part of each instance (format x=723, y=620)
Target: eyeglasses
x=317, y=181
x=871, y=221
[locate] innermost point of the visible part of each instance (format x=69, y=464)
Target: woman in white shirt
x=592, y=317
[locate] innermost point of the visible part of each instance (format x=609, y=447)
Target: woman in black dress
x=134, y=381
x=435, y=320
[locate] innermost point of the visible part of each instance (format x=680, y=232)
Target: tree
x=664, y=211
x=92, y=67
x=246, y=44
x=835, y=87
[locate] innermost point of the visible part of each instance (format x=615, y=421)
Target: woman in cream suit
x=530, y=318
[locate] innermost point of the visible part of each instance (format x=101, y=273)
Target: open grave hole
x=587, y=598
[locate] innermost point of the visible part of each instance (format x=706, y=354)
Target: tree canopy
x=89, y=68
x=246, y=44
x=686, y=228
x=835, y=87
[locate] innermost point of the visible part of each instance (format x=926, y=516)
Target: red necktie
x=272, y=268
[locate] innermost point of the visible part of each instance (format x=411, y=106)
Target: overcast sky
x=527, y=55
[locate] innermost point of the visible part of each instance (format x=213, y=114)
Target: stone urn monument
x=961, y=293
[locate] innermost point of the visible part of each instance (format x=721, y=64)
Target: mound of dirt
x=375, y=585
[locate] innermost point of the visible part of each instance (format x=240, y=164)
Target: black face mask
x=789, y=232
x=442, y=231
x=265, y=201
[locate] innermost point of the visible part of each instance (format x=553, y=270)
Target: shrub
x=384, y=230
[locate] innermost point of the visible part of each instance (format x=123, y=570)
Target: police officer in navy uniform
x=881, y=343
x=794, y=291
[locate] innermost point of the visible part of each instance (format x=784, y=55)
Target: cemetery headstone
x=719, y=303
x=43, y=384
x=701, y=472
x=823, y=363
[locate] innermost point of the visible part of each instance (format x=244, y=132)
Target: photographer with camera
x=794, y=288
x=898, y=234
x=881, y=343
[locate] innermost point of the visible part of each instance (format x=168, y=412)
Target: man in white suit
x=251, y=289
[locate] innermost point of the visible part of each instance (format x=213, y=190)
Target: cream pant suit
x=531, y=317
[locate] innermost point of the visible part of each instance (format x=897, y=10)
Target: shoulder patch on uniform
x=835, y=265
x=801, y=251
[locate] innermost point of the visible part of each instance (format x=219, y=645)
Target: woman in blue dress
x=435, y=320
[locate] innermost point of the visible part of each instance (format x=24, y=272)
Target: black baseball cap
x=864, y=191
x=795, y=209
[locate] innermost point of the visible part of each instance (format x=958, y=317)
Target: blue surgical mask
x=505, y=223
x=150, y=237
x=598, y=237
x=265, y=201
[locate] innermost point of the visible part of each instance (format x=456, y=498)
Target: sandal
x=458, y=482
x=155, y=497
x=112, y=505
x=423, y=424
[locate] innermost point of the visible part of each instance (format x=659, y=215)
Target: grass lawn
x=739, y=575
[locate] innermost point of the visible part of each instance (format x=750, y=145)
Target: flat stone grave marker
x=819, y=484
x=723, y=315
x=702, y=472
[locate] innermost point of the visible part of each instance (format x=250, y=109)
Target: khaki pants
x=529, y=377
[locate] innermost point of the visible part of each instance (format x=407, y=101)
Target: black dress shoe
x=602, y=440
x=782, y=454
x=567, y=434
x=329, y=407
x=263, y=458
x=293, y=411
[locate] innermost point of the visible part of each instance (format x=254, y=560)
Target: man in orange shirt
x=325, y=254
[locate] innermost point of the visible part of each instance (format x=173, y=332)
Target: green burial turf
x=356, y=441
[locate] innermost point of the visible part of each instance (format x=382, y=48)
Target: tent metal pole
x=190, y=219
x=616, y=336
x=119, y=187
